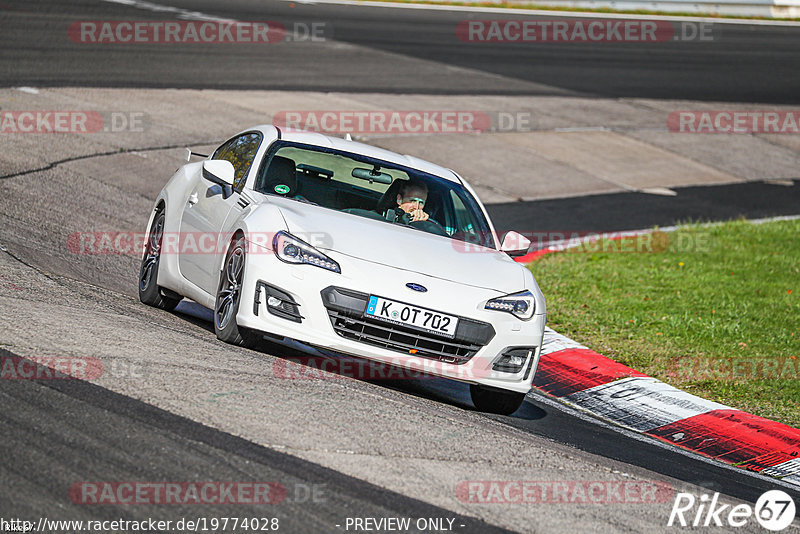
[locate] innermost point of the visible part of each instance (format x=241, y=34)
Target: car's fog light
x=513, y=360
x=279, y=302
x=516, y=361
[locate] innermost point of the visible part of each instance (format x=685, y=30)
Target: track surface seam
x=70, y=159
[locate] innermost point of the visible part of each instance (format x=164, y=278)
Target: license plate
x=413, y=316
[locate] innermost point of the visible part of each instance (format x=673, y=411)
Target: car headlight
x=290, y=249
x=521, y=305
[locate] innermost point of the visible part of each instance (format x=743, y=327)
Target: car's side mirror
x=515, y=244
x=220, y=172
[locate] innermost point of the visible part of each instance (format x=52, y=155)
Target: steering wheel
x=396, y=215
x=430, y=226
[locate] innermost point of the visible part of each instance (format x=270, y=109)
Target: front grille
x=346, y=312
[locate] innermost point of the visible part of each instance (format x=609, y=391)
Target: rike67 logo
x=774, y=510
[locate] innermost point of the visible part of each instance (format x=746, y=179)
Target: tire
x=493, y=400
x=149, y=291
x=229, y=293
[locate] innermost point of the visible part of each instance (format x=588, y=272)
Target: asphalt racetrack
x=177, y=405
x=743, y=63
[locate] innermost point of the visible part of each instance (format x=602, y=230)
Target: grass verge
x=713, y=310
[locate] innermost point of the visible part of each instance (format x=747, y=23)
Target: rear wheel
x=229, y=293
x=495, y=400
x=149, y=291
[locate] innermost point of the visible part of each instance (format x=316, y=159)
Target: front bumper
x=325, y=309
x=346, y=311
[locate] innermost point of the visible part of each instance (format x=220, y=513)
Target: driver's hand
x=418, y=215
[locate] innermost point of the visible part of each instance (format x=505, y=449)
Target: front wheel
x=495, y=400
x=229, y=293
x=149, y=292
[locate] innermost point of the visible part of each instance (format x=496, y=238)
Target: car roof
x=338, y=143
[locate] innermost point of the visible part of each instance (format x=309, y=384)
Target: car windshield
x=368, y=187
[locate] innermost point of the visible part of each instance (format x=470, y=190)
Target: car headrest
x=389, y=198
x=281, y=177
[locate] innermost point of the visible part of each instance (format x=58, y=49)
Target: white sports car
x=351, y=248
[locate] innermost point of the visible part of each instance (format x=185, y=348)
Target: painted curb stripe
x=736, y=437
x=766, y=462
x=592, y=382
x=554, y=342
x=789, y=469
x=569, y=371
x=641, y=403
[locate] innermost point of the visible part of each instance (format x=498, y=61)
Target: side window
x=240, y=151
x=463, y=222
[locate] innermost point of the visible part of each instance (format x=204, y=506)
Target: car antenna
x=347, y=137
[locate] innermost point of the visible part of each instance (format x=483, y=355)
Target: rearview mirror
x=515, y=244
x=372, y=176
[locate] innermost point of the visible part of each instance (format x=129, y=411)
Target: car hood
x=401, y=247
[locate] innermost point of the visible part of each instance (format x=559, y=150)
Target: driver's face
x=413, y=199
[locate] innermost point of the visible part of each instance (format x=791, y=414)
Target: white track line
x=564, y=244
x=548, y=13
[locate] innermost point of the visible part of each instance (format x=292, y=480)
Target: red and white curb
x=582, y=378
x=591, y=382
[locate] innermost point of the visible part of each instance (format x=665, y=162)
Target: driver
x=411, y=199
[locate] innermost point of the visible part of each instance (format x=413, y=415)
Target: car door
x=206, y=211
